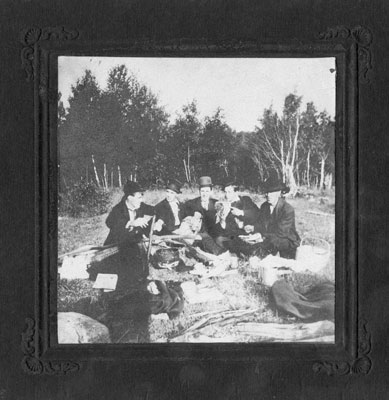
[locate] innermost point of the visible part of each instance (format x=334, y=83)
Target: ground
x=314, y=218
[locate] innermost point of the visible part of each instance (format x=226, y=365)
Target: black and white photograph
x=196, y=199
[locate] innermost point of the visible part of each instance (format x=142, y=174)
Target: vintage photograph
x=196, y=200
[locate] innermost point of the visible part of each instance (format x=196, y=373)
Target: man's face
x=273, y=197
x=134, y=201
x=230, y=193
x=205, y=193
x=171, y=195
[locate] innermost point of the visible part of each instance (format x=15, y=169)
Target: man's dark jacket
x=209, y=216
x=251, y=216
x=164, y=212
x=129, y=262
x=117, y=220
x=279, y=228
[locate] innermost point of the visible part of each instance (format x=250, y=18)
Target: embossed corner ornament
x=31, y=363
x=361, y=365
x=32, y=36
x=362, y=37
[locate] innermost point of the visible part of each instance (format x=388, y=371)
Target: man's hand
x=197, y=215
x=139, y=222
x=158, y=226
x=236, y=212
x=249, y=228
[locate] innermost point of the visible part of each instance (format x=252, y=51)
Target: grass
x=314, y=217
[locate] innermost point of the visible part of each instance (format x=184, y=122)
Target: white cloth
x=205, y=205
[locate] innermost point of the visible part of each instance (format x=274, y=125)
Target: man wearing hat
x=240, y=218
x=204, y=207
x=128, y=221
x=169, y=211
x=277, y=219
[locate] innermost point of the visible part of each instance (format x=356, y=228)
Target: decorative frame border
x=41, y=47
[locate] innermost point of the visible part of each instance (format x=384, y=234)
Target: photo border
x=349, y=355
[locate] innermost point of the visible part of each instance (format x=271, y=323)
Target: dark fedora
x=274, y=184
x=174, y=186
x=230, y=183
x=205, y=181
x=130, y=188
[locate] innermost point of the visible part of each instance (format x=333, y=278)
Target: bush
x=83, y=199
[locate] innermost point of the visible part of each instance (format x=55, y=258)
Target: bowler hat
x=274, y=184
x=174, y=186
x=205, y=181
x=130, y=188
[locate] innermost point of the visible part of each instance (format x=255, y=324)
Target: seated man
x=240, y=216
x=129, y=222
x=277, y=220
x=204, y=207
x=168, y=212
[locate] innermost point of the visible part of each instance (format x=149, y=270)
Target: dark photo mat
x=216, y=371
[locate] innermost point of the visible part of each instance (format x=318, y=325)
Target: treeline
x=122, y=132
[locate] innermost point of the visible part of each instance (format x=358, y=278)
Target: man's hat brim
x=173, y=187
x=205, y=181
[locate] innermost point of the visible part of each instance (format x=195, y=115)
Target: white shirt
x=174, y=206
x=131, y=214
x=205, y=205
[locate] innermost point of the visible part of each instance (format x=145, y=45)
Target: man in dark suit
x=129, y=221
x=204, y=207
x=240, y=217
x=130, y=218
x=277, y=220
x=169, y=212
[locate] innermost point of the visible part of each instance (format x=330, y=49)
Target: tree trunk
x=186, y=171
x=308, y=168
x=323, y=163
x=96, y=174
x=295, y=141
x=105, y=177
x=330, y=181
x=119, y=176
x=290, y=180
x=189, y=176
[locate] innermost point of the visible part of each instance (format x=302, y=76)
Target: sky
x=241, y=87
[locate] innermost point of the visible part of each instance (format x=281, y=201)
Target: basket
x=313, y=254
x=166, y=258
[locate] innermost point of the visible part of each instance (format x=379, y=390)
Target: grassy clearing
x=314, y=217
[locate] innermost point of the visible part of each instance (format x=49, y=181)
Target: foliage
x=122, y=132
x=296, y=144
x=83, y=199
x=121, y=127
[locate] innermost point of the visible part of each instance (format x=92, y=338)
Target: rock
x=78, y=328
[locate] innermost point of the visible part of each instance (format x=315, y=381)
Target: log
x=320, y=213
x=322, y=331
x=169, y=237
x=286, y=332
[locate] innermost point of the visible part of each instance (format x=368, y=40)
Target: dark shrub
x=83, y=199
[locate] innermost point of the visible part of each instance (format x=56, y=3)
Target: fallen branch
x=215, y=319
x=322, y=331
x=320, y=213
x=286, y=332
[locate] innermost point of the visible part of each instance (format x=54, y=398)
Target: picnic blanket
x=316, y=305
